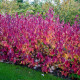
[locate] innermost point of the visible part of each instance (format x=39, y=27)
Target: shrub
x=39, y=42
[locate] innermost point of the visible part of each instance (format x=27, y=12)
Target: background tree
x=19, y=1
x=78, y=1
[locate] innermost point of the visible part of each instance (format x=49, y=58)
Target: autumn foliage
x=39, y=42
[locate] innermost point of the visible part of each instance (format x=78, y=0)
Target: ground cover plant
x=37, y=42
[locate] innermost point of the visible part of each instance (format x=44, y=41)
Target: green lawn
x=16, y=72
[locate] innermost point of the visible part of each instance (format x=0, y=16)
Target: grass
x=16, y=72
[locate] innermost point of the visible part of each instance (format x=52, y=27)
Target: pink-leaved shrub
x=39, y=42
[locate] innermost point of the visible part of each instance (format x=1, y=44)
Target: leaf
x=65, y=74
x=78, y=72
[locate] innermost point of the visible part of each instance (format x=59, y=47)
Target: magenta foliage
x=26, y=39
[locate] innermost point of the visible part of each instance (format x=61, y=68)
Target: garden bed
x=48, y=44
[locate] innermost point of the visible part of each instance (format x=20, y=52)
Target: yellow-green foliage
x=68, y=10
x=8, y=7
